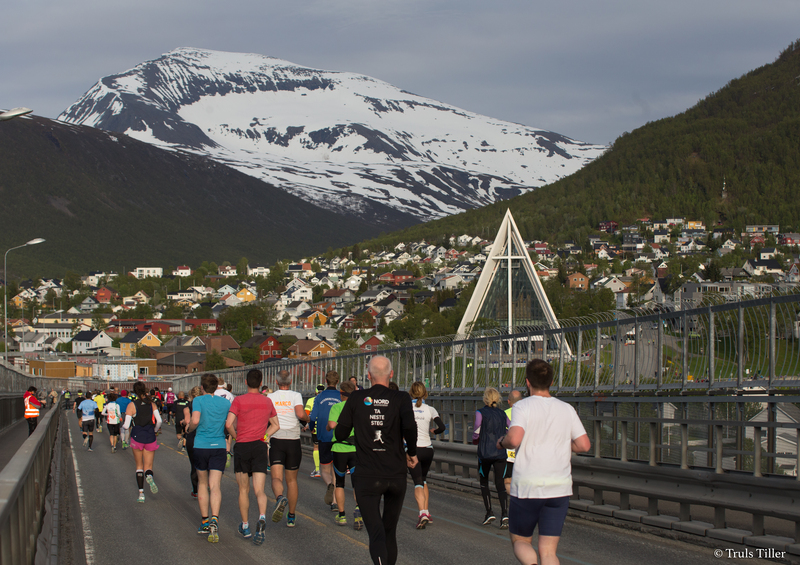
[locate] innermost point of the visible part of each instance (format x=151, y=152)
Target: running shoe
x=358, y=521
x=329, y=493
x=152, y=483
x=280, y=506
x=430, y=519
x=86, y=441
x=194, y=495
x=203, y=529
x=141, y=497
x=504, y=523
x=341, y=520
x=228, y=460
x=213, y=531
x=124, y=445
x=90, y=449
x=99, y=430
x=261, y=527
x=290, y=518
x=245, y=531
x=113, y=449
x=489, y=518
x=422, y=522
x=315, y=474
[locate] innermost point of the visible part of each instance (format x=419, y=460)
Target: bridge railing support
x=23, y=485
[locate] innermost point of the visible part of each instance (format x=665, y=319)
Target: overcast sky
x=588, y=70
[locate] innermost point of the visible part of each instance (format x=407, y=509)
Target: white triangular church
x=509, y=295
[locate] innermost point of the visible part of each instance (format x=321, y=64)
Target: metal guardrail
x=754, y=343
x=12, y=409
x=23, y=484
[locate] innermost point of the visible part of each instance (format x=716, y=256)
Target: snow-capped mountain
x=337, y=139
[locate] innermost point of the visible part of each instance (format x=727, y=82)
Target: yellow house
x=246, y=295
x=18, y=301
x=134, y=340
x=60, y=369
x=310, y=348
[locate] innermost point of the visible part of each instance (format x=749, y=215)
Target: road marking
x=88, y=544
x=305, y=516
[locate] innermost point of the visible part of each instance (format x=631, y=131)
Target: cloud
x=589, y=70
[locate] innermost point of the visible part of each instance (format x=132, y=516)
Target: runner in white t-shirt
x=545, y=431
x=222, y=390
x=285, y=452
x=428, y=420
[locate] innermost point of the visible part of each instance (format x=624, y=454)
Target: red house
x=370, y=345
x=268, y=347
x=105, y=295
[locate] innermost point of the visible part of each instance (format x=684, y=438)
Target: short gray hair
x=284, y=378
x=380, y=367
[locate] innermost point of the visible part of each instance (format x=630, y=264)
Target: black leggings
x=190, y=452
x=382, y=529
x=499, y=466
x=419, y=473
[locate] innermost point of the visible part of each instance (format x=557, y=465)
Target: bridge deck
x=103, y=511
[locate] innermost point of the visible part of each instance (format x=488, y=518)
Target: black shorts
x=285, y=452
x=524, y=514
x=250, y=457
x=314, y=439
x=509, y=469
x=113, y=429
x=210, y=459
x=325, y=453
x=419, y=473
x=341, y=463
x=87, y=425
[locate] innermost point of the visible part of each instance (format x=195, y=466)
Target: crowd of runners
x=376, y=435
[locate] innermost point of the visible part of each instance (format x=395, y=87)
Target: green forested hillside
x=745, y=136
x=109, y=202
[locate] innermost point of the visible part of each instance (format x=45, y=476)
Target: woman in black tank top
x=143, y=415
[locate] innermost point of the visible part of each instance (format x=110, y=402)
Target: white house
x=90, y=340
x=146, y=272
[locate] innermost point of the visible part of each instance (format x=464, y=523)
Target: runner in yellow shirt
x=308, y=408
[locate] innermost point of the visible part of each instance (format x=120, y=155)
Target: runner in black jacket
x=382, y=419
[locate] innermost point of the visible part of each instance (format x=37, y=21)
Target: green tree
x=241, y=267
x=214, y=361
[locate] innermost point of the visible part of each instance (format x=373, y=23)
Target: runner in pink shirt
x=247, y=425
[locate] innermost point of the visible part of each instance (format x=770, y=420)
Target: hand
x=411, y=461
x=500, y=442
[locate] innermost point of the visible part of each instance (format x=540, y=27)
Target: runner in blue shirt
x=87, y=408
x=209, y=413
x=323, y=403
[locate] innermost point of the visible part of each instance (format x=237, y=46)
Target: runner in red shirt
x=247, y=425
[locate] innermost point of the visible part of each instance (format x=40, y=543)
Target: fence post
x=596, y=355
x=740, y=348
x=712, y=365
x=685, y=352
x=578, y=364
x=772, y=332
x=756, y=452
x=636, y=349
x=660, y=353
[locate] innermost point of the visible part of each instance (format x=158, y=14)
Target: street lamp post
x=14, y=113
x=5, y=289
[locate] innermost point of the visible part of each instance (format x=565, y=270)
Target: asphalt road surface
x=103, y=524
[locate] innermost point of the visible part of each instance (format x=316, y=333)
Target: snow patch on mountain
x=332, y=138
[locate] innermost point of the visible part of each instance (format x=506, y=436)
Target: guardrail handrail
x=23, y=483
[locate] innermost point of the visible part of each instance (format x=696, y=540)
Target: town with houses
x=313, y=302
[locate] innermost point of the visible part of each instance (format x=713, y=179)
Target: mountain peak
x=333, y=138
